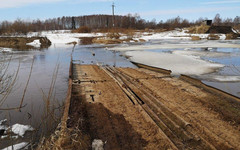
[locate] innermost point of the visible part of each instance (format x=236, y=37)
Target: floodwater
x=226, y=78
x=35, y=112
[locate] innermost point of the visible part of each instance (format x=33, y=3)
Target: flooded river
x=36, y=111
x=53, y=63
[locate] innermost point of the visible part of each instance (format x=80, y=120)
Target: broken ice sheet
x=16, y=146
x=178, y=64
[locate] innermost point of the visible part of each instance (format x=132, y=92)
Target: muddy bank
x=21, y=43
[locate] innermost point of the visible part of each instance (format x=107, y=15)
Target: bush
x=83, y=29
x=196, y=38
x=198, y=29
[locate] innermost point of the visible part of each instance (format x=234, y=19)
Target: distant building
x=207, y=22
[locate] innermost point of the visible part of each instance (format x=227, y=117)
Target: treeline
x=104, y=21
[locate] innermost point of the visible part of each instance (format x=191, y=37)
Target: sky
x=148, y=9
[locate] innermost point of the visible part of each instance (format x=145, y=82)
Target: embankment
x=21, y=43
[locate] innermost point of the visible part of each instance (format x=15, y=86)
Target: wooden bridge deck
x=140, y=109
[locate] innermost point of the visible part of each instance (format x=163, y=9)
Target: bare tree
x=217, y=20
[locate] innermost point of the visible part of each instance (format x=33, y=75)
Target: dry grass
x=237, y=27
x=107, y=41
x=198, y=29
x=83, y=29
x=195, y=38
x=213, y=37
x=113, y=36
x=231, y=36
x=65, y=139
x=87, y=40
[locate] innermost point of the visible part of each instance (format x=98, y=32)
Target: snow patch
x=16, y=146
x=21, y=129
x=64, y=36
x=35, y=43
x=97, y=145
x=178, y=64
x=5, y=50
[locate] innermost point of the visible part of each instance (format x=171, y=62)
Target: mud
x=20, y=43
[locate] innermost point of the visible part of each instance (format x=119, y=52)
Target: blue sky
x=147, y=9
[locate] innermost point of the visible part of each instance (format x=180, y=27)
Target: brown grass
x=195, y=38
x=83, y=29
x=87, y=40
x=213, y=37
x=198, y=29
x=232, y=36
x=237, y=27
x=65, y=139
x=107, y=41
x=113, y=36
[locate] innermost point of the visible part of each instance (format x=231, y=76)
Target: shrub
x=198, y=29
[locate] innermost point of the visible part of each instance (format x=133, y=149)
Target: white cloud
x=222, y=2
x=19, y=3
x=186, y=11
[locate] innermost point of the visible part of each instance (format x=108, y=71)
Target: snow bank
x=178, y=64
x=21, y=129
x=176, y=35
x=35, y=43
x=5, y=50
x=64, y=36
x=165, y=35
x=16, y=146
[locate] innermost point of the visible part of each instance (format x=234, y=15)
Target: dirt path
x=140, y=109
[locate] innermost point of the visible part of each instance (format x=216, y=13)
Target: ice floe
x=201, y=53
x=5, y=50
x=178, y=64
x=21, y=129
x=16, y=146
x=17, y=129
x=206, y=44
x=226, y=78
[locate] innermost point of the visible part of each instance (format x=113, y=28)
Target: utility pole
x=73, y=23
x=113, y=6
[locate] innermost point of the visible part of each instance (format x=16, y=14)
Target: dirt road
x=140, y=109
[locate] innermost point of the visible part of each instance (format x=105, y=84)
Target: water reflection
x=45, y=62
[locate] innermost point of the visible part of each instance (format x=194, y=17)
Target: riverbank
x=25, y=43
